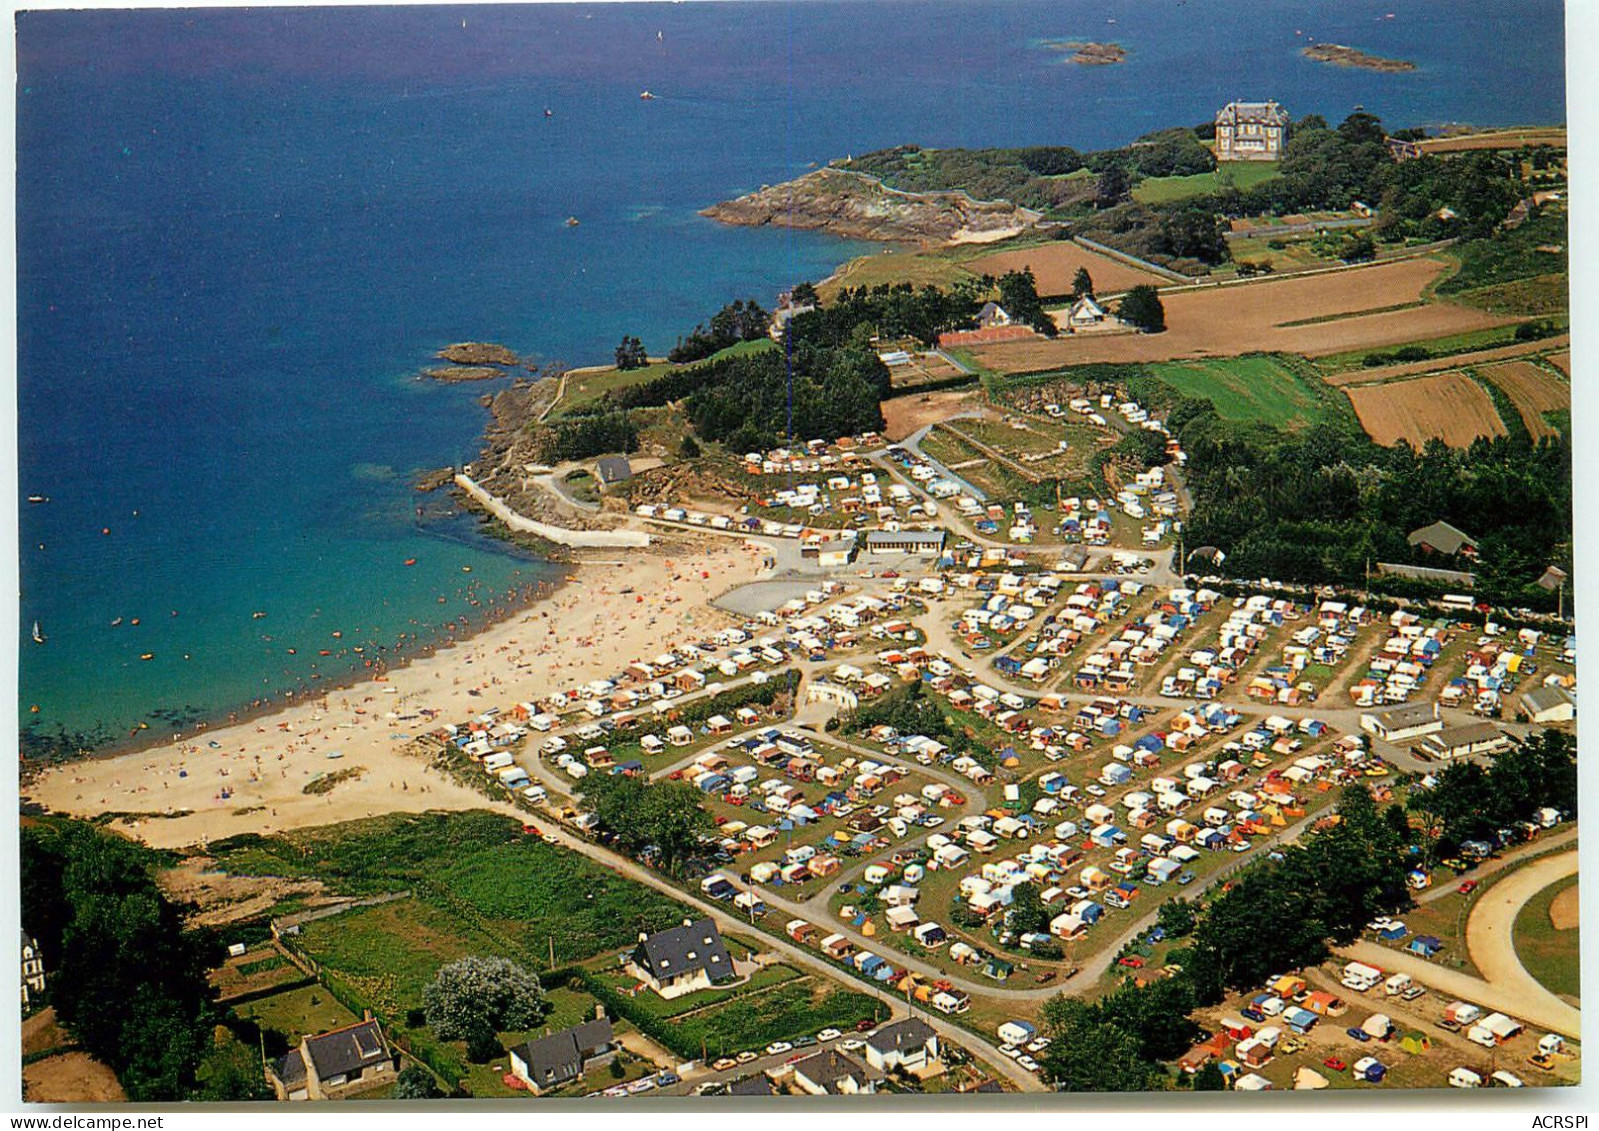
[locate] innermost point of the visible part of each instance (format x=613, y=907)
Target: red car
x=1335, y=1064
x=1131, y=960
x=1467, y=887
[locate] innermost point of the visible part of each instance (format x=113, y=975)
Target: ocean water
x=242, y=232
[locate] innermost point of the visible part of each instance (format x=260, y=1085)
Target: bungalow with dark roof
x=331, y=1066
x=910, y=1044
x=557, y=1059
x=683, y=959
x=831, y=1073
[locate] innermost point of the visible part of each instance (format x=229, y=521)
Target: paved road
x=1500, y=863
x=1505, y=986
x=799, y=956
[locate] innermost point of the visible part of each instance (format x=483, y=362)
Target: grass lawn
x=1551, y=956
x=1240, y=174
x=1254, y=389
x=294, y=1013
x=583, y=487
x=586, y=388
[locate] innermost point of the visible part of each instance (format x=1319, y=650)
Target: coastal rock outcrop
x=1341, y=56
x=860, y=207
x=479, y=353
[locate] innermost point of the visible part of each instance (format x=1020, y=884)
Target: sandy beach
x=251, y=776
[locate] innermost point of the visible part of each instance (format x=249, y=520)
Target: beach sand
x=587, y=630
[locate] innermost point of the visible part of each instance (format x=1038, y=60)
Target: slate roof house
x=831, y=1073
x=1251, y=131
x=910, y=1044
x=757, y=1085
x=680, y=960
x=613, y=469
x=560, y=1058
x=333, y=1065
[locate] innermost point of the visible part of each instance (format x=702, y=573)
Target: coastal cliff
x=859, y=207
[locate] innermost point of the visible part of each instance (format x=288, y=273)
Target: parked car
x=1335, y=1063
x=1358, y=1033
x=1131, y=960
x=777, y=1048
x=746, y=1056
x=829, y=1035
x=1467, y=887
x=1250, y=1013
x=724, y=1064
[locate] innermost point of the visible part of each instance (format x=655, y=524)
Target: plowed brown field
x=1534, y=391
x=1450, y=406
x=1225, y=321
x=1562, y=362
x=1054, y=265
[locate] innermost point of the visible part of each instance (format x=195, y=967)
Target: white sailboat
x=38, y=637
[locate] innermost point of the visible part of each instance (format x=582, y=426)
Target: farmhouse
x=1403, y=723
x=1086, y=314
x=1251, y=131
x=560, y=1058
x=680, y=960
x=1552, y=704
x=1465, y=741
x=1441, y=538
x=331, y=1066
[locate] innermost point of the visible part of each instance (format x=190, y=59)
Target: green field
x=1238, y=174
x=798, y=1007
x=1442, y=348
x=587, y=387
x=1553, y=957
x=1257, y=389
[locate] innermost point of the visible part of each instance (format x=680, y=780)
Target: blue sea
x=241, y=233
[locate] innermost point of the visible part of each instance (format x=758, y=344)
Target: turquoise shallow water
x=240, y=232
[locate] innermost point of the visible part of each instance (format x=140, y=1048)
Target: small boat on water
x=410, y=561
x=116, y=622
x=38, y=498
x=647, y=96
x=257, y=616
x=38, y=637
x=147, y=656
x=571, y=221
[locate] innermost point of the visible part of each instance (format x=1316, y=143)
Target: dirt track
x=1505, y=986
x=1227, y=321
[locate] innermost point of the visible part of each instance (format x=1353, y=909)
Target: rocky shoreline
x=856, y=206
x=1341, y=56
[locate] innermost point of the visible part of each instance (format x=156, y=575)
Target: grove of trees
x=664, y=816
x=475, y=998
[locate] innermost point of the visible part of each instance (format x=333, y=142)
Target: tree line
x=124, y=975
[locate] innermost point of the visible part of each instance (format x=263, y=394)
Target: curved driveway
x=1506, y=986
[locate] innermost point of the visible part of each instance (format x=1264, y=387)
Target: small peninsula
x=1341, y=56
x=860, y=207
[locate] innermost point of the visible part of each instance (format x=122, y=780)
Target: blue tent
x=1425, y=945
